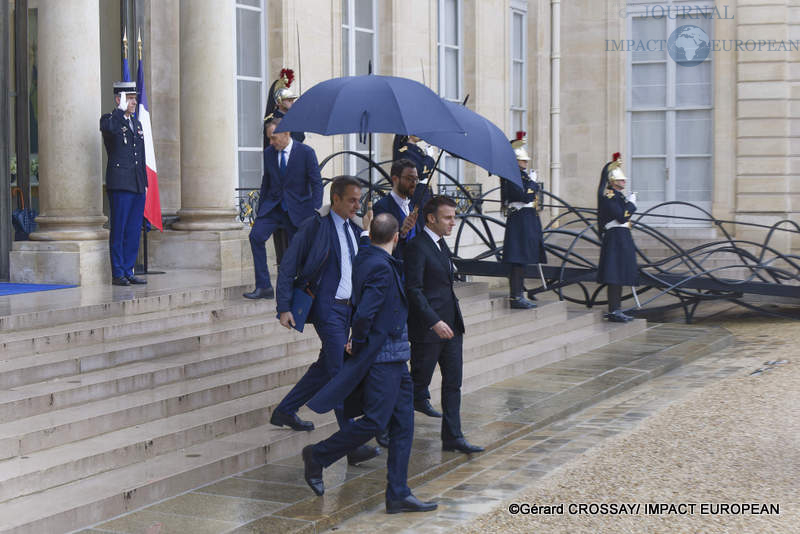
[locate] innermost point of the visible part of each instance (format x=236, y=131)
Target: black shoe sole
x=410, y=510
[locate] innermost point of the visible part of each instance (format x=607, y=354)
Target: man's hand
x=442, y=330
x=632, y=198
x=287, y=319
x=348, y=348
x=123, y=102
x=409, y=222
x=366, y=220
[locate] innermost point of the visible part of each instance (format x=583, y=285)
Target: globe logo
x=689, y=45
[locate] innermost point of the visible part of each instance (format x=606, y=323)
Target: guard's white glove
x=430, y=150
x=123, y=102
x=632, y=198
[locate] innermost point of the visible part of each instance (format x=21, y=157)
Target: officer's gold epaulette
x=402, y=149
x=609, y=194
x=268, y=117
x=530, y=191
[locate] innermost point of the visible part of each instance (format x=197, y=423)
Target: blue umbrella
x=484, y=144
x=369, y=104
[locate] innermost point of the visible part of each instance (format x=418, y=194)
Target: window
x=449, y=44
x=670, y=131
x=359, y=49
x=519, y=42
x=251, y=90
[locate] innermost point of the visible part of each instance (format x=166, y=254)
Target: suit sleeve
x=373, y=295
x=262, y=193
x=290, y=266
x=414, y=262
x=314, y=178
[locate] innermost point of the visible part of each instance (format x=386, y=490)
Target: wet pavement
x=530, y=425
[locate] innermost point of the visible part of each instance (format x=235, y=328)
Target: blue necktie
x=283, y=162
x=350, y=248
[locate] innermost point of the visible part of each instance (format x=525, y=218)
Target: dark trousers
x=263, y=227
x=333, y=329
x=388, y=402
x=516, y=280
x=448, y=354
x=126, y=210
x=614, y=297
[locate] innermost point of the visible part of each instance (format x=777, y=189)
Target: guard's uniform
x=523, y=242
x=126, y=180
x=618, y=253
x=403, y=148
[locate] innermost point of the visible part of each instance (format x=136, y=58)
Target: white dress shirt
x=345, y=288
x=433, y=235
x=402, y=202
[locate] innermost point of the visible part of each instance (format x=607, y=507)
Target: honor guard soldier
x=405, y=146
x=523, y=243
x=617, y=266
x=126, y=182
x=279, y=100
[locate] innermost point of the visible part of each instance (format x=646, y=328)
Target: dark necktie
x=350, y=248
x=283, y=161
x=445, y=252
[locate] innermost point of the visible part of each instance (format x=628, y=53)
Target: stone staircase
x=108, y=407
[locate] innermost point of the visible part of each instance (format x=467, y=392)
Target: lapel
x=398, y=211
x=336, y=247
x=291, y=162
x=434, y=248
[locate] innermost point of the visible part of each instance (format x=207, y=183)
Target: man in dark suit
x=376, y=377
x=126, y=182
x=320, y=259
x=435, y=324
x=291, y=190
x=399, y=202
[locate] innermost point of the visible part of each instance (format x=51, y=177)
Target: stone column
x=70, y=244
x=208, y=116
x=70, y=188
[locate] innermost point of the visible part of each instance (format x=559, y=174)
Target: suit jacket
x=126, y=169
x=388, y=205
x=301, y=184
x=429, y=286
x=380, y=311
x=314, y=259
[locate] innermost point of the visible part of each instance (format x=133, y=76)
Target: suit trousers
x=388, y=402
x=263, y=227
x=448, y=354
x=126, y=210
x=333, y=329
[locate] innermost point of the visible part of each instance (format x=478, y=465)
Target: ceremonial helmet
x=282, y=86
x=518, y=144
x=615, y=173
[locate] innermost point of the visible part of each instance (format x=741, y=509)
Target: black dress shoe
x=409, y=504
x=532, y=295
x=460, y=445
x=521, y=303
x=120, y=281
x=138, y=281
x=312, y=471
x=260, y=293
x=383, y=439
x=426, y=408
x=292, y=421
x=362, y=454
x=618, y=317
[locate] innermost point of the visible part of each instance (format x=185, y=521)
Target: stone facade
x=756, y=115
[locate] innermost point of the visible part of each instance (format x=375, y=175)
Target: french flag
x=152, y=202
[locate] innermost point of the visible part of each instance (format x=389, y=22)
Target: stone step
x=42, y=340
x=100, y=496
x=58, y=425
x=36, y=398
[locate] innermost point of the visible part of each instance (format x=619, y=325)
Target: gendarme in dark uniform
x=523, y=243
x=617, y=266
x=405, y=146
x=126, y=183
x=279, y=101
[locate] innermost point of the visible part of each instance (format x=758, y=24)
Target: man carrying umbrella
x=523, y=243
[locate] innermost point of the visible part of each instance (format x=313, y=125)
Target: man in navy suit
x=291, y=190
x=400, y=202
x=126, y=182
x=435, y=324
x=320, y=259
x=375, y=379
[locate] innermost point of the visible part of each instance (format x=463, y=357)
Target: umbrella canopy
x=484, y=144
x=369, y=104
